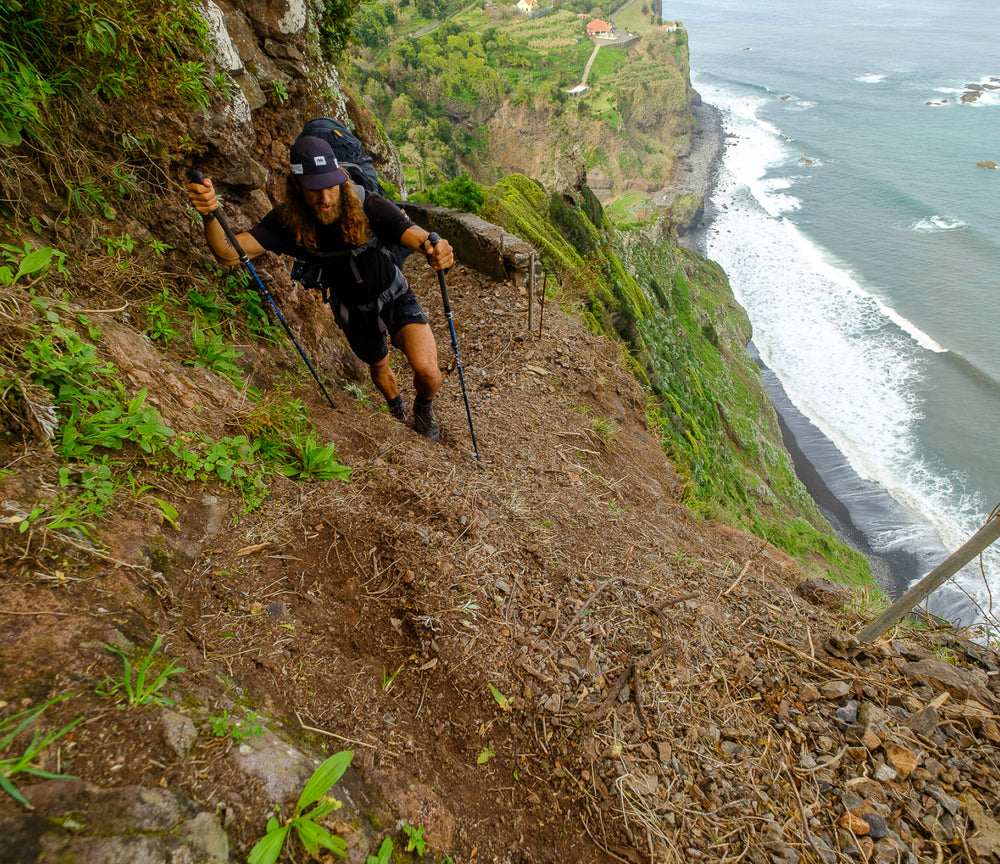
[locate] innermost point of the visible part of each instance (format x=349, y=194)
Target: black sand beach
x=813, y=455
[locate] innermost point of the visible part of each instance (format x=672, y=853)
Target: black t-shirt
x=376, y=268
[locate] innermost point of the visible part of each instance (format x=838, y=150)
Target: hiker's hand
x=202, y=196
x=441, y=256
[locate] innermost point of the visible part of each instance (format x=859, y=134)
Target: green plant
x=145, y=687
x=388, y=679
x=191, y=83
x=606, y=429
x=384, y=855
x=415, y=839
x=216, y=354
x=234, y=461
x=159, y=247
x=224, y=85
x=160, y=317
x=239, y=731
x=279, y=91
x=96, y=411
x=357, y=392
x=312, y=460
x=462, y=193
x=306, y=821
x=28, y=263
x=22, y=763
x=88, y=197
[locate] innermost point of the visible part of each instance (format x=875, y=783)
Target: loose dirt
x=539, y=656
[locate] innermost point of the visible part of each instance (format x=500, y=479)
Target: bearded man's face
x=324, y=204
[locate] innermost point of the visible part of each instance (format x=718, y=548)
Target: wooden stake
x=933, y=580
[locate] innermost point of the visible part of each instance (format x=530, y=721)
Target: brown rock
x=854, y=823
x=987, y=164
x=961, y=684
x=903, y=759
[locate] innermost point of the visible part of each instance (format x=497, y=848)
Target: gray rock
x=281, y=768
x=847, y=713
x=179, y=731
x=877, y=825
x=823, y=592
x=923, y=722
x=129, y=825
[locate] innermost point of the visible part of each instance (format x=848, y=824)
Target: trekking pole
x=197, y=177
x=433, y=238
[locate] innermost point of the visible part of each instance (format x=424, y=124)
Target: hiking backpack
x=348, y=149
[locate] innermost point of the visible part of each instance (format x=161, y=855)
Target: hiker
x=344, y=234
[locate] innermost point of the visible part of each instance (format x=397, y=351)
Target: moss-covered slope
x=687, y=340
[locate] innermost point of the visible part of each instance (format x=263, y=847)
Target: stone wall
x=478, y=244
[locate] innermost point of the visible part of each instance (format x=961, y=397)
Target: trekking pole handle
x=195, y=176
x=433, y=238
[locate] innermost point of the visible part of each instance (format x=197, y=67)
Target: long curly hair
x=354, y=228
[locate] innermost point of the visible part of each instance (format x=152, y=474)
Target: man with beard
x=345, y=233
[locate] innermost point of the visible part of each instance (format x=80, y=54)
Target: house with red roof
x=598, y=28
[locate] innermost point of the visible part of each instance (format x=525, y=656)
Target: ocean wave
x=928, y=343
x=873, y=78
x=936, y=224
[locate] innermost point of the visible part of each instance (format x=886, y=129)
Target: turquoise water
x=864, y=242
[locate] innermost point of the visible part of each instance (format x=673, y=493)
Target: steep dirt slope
x=536, y=657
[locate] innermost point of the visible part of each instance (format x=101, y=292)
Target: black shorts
x=367, y=338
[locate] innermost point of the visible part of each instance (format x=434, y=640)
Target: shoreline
x=893, y=571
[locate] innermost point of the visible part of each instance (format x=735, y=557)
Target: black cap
x=313, y=163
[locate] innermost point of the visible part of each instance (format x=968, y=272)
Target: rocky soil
x=535, y=657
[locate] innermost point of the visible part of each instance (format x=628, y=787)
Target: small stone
x=854, y=823
x=876, y=824
x=990, y=731
x=885, y=773
x=808, y=692
x=179, y=731
x=863, y=733
x=835, y=689
x=903, y=759
x=923, y=722
x=847, y=713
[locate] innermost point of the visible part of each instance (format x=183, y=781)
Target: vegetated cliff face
x=631, y=148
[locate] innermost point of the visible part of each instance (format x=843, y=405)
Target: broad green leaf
x=169, y=512
x=312, y=835
x=34, y=262
x=268, y=848
x=323, y=778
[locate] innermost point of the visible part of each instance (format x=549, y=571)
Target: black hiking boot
x=424, y=421
x=397, y=410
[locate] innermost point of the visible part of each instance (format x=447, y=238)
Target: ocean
x=863, y=240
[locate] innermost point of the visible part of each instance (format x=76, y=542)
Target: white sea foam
x=934, y=224
x=873, y=78
x=848, y=361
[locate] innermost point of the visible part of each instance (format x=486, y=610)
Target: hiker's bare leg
x=384, y=378
x=416, y=341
